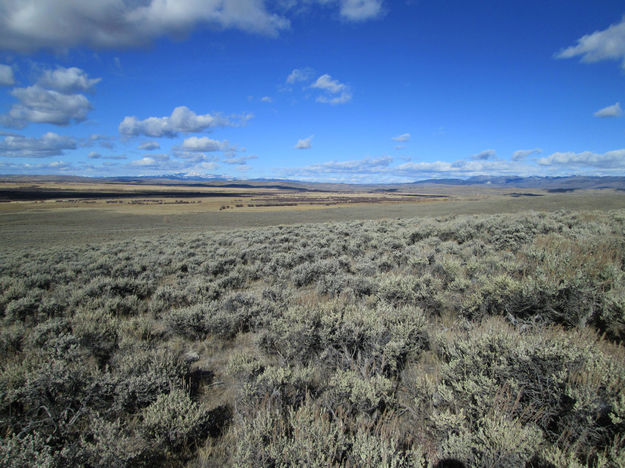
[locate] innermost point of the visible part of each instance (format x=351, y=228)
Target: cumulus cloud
x=6, y=75
x=483, y=155
x=204, y=144
x=335, y=91
x=608, y=44
x=67, y=80
x=299, y=75
x=610, y=160
x=50, y=144
x=39, y=105
x=402, y=138
x=53, y=99
x=149, y=145
x=29, y=25
x=360, y=10
x=266, y=99
x=305, y=143
x=522, y=154
x=611, y=111
x=181, y=120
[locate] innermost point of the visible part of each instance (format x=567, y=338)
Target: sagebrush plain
x=481, y=326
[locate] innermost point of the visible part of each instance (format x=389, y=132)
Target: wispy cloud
x=298, y=75
x=266, y=99
x=305, y=143
x=240, y=160
x=102, y=140
x=611, y=111
x=36, y=168
x=360, y=166
x=608, y=44
x=483, y=155
x=522, y=154
x=402, y=138
x=149, y=145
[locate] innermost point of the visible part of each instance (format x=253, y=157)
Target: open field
x=61, y=213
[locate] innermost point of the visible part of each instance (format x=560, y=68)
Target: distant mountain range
x=547, y=183
x=552, y=184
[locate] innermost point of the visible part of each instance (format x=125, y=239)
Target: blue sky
x=318, y=90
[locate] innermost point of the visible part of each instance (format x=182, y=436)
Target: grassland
x=101, y=212
x=484, y=328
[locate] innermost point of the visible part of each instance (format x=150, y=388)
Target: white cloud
x=94, y=155
x=52, y=99
x=402, y=138
x=609, y=160
x=148, y=161
x=6, y=75
x=326, y=83
x=522, y=154
x=67, y=80
x=360, y=10
x=611, y=111
x=204, y=144
x=39, y=105
x=266, y=99
x=298, y=75
x=149, y=145
x=608, y=44
x=182, y=119
x=29, y=25
x=50, y=144
x=335, y=91
x=305, y=143
x=483, y=155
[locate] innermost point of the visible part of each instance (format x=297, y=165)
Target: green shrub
x=173, y=421
x=29, y=450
